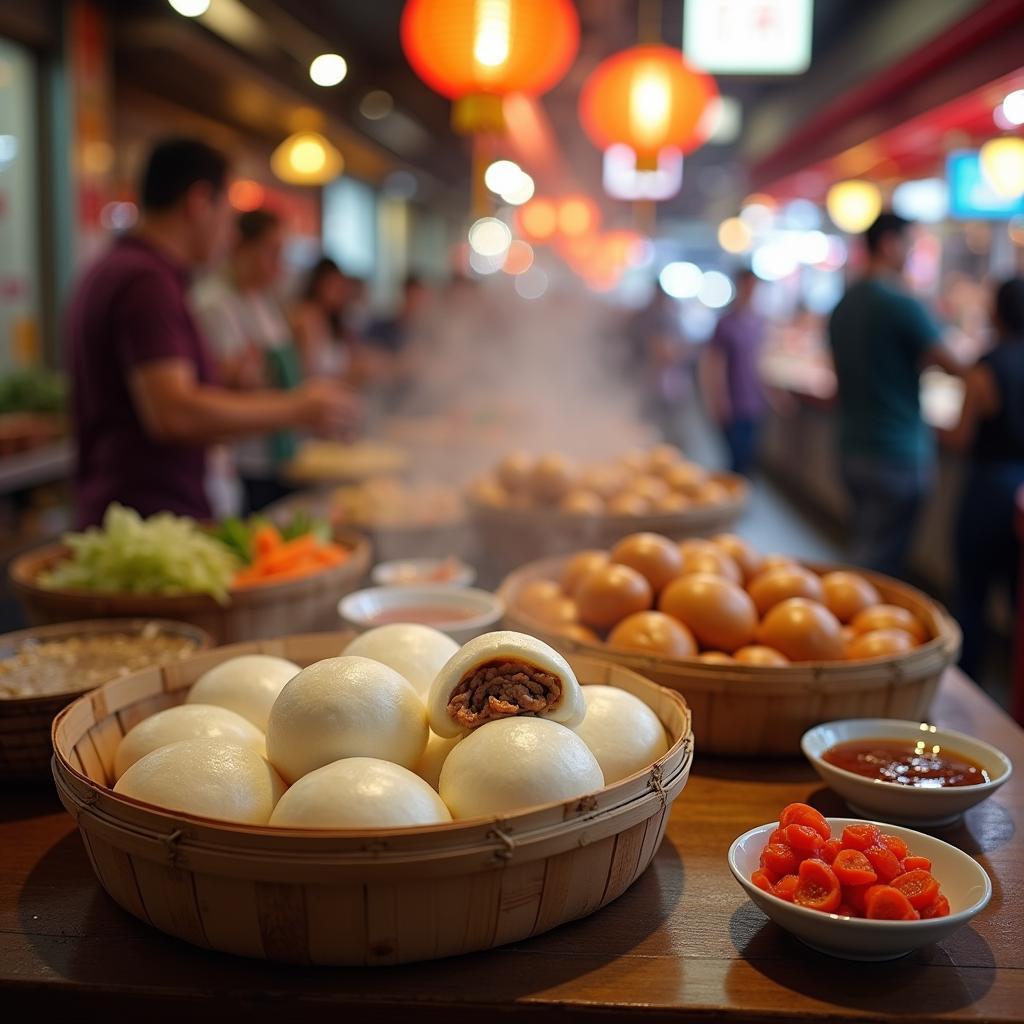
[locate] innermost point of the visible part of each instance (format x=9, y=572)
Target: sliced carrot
x=885, y=863
x=805, y=814
x=265, y=540
x=940, y=908
x=785, y=888
x=914, y=863
x=919, y=887
x=894, y=843
x=829, y=849
x=289, y=552
x=860, y=836
x=853, y=868
x=804, y=840
x=818, y=888
x=779, y=859
x=762, y=881
x=884, y=903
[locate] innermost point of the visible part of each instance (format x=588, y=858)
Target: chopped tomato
x=785, y=887
x=778, y=836
x=779, y=860
x=884, y=903
x=829, y=849
x=761, y=880
x=885, y=863
x=804, y=840
x=804, y=814
x=919, y=887
x=860, y=836
x=916, y=864
x=845, y=910
x=856, y=895
x=818, y=888
x=853, y=868
x=894, y=843
x=940, y=908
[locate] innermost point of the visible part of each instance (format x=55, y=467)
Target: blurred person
x=882, y=337
x=146, y=404
x=735, y=394
x=252, y=343
x=991, y=432
x=660, y=365
x=393, y=334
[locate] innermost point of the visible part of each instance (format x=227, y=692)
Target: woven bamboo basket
x=357, y=897
x=511, y=537
x=25, y=747
x=755, y=711
x=302, y=605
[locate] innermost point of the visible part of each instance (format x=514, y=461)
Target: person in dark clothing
x=145, y=400
x=882, y=337
x=991, y=431
x=393, y=334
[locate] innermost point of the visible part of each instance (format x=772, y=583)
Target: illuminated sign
x=748, y=37
x=971, y=197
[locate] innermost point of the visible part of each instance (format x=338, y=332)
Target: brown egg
x=771, y=586
x=757, y=654
x=848, y=635
x=685, y=477
x=579, y=565
x=879, y=643
x=551, y=478
x=719, y=613
x=581, y=503
x=662, y=456
x=802, y=630
x=704, y=556
x=774, y=560
x=655, y=557
x=671, y=503
x=650, y=487
x=745, y=555
x=578, y=632
x=716, y=658
x=653, y=633
x=634, y=462
x=559, y=611
x=889, y=616
x=487, y=491
x=712, y=493
x=606, y=596
x=605, y=481
x=514, y=471
x=628, y=504
x=536, y=595
x=847, y=594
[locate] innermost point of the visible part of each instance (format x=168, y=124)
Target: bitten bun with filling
x=503, y=675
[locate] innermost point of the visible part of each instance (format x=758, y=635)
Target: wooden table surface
x=683, y=943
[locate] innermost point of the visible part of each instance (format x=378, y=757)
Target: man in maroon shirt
x=145, y=402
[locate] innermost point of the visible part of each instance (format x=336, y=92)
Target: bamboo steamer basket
x=302, y=605
x=758, y=711
x=514, y=536
x=355, y=897
x=25, y=747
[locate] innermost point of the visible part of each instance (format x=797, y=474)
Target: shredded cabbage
x=165, y=554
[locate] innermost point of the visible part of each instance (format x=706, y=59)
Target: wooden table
x=683, y=943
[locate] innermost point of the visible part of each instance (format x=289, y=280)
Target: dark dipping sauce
x=425, y=615
x=920, y=763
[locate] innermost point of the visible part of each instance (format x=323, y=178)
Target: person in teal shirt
x=882, y=337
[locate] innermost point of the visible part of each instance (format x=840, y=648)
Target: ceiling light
x=190, y=8
x=328, y=69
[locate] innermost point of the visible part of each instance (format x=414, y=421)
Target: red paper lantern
x=477, y=51
x=648, y=97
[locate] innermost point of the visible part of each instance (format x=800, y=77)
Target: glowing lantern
x=1002, y=164
x=649, y=98
x=477, y=51
x=538, y=219
x=577, y=216
x=306, y=158
x=853, y=205
x=245, y=194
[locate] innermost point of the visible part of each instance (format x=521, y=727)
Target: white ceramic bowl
x=962, y=881
x=907, y=805
x=419, y=571
x=461, y=612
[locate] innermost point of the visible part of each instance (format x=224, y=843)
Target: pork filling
x=501, y=689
